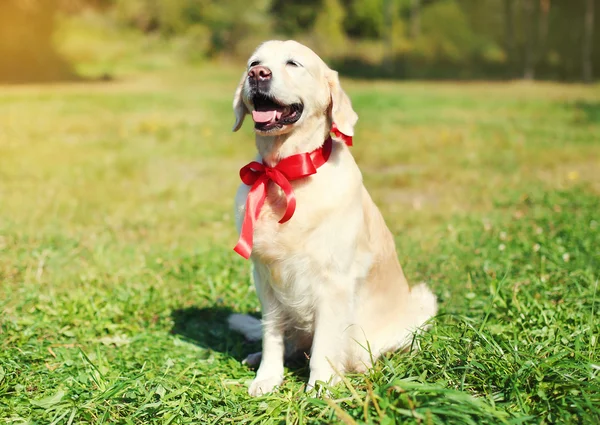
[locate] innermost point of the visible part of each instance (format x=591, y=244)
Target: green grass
x=117, y=274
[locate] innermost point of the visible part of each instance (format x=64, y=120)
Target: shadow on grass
x=207, y=327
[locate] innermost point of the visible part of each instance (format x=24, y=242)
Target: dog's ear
x=239, y=108
x=341, y=110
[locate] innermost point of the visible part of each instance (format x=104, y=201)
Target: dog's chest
x=295, y=257
x=288, y=253
x=276, y=242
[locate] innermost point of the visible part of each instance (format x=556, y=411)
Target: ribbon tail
x=336, y=131
x=243, y=248
x=347, y=139
x=254, y=202
x=246, y=239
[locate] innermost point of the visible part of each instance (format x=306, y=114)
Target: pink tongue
x=266, y=116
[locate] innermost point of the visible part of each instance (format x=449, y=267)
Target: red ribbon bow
x=258, y=175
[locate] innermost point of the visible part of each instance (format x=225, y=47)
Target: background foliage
x=548, y=39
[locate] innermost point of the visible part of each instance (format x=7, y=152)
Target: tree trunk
x=415, y=19
x=388, y=17
x=543, y=33
x=588, y=32
x=531, y=35
x=509, y=34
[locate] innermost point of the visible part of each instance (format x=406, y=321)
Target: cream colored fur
x=328, y=280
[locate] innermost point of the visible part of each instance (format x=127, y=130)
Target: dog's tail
x=421, y=307
x=423, y=303
x=249, y=326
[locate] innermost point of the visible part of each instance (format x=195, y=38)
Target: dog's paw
x=261, y=386
x=315, y=383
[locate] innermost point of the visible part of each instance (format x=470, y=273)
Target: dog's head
x=286, y=86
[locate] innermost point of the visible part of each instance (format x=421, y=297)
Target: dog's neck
x=273, y=149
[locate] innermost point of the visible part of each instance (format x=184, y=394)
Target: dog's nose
x=259, y=73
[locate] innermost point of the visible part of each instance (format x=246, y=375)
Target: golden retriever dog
x=324, y=262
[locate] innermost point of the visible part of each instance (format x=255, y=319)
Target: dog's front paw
x=262, y=386
x=330, y=379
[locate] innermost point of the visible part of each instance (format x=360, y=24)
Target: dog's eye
x=254, y=63
x=293, y=63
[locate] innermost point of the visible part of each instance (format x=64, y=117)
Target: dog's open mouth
x=268, y=114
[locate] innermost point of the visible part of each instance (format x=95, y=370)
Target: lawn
x=117, y=271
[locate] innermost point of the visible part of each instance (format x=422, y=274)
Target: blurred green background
x=457, y=39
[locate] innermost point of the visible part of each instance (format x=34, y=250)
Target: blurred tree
x=588, y=33
x=26, y=49
x=239, y=32
x=328, y=29
x=435, y=38
x=232, y=26
x=365, y=19
x=530, y=10
x=389, y=12
x=544, y=23
x=415, y=18
x=446, y=33
x=294, y=17
x=509, y=35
